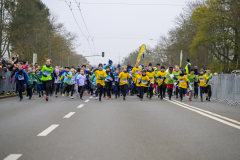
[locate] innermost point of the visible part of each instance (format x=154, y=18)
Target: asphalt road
x=65, y=129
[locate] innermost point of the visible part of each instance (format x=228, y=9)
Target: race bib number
x=116, y=78
x=139, y=79
x=151, y=78
x=124, y=80
x=73, y=80
x=191, y=83
x=46, y=73
x=144, y=82
x=136, y=72
x=201, y=79
x=181, y=80
x=161, y=79
x=20, y=77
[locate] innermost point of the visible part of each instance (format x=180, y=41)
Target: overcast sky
x=132, y=25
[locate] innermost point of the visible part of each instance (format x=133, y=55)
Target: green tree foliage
x=29, y=28
x=208, y=33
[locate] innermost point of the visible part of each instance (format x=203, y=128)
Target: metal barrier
x=226, y=88
x=6, y=86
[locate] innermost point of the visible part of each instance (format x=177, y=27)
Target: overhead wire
x=80, y=27
x=135, y=4
x=78, y=5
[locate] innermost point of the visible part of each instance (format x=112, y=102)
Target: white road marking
x=207, y=115
x=216, y=115
x=13, y=157
x=90, y=97
x=80, y=106
x=48, y=130
x=87, y=100
x=69, y=115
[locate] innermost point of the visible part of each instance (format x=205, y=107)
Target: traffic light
x=102, y=54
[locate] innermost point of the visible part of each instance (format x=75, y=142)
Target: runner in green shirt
x=176, y=74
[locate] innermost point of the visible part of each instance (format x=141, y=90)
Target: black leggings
x=57, y=86
x=162, y=90
x=123, y=89
x=151, y=90
x=100, y=89
x=47, y=86
x=66, y=88
x=209, y=91
x=80, y=90
x=142, y=91
x=195, y=89
x=108, y=88
x=72, y=89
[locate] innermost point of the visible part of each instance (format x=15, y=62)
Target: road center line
x=87, y=100
x=208, y=112
x=13, y=157
x=80, y=106
x=48, y=130
x=69, y=115
x=207, y=115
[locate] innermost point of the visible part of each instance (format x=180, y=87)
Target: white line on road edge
x=204, y=114
x=48, y=130
x=216, y=115
x=69, y=115
x=13, y=157
x=90, y=97
x=80, y=106
x=87, y=100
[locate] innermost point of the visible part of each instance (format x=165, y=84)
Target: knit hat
x=110, y=61
x=188, y=60
x=100, y=64
x=67, y=67
x=118, y=65
x=183, y=71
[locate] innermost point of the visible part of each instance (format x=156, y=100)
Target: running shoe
x=56, y=96
x=190, y=99
x=63, y=95
x=108, y=97
x=46, y=98
x=20, y=99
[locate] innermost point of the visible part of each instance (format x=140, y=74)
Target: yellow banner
x=142, y=49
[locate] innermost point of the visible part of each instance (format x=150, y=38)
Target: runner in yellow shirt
x=123, y=81
x=161, y=76
x=151, y=74
x=144, y=84
x=101, y=76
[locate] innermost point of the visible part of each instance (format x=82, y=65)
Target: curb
x=14, y=95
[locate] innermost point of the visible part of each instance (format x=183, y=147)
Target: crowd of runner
x=105, y=81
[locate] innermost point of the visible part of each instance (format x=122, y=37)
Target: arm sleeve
x=25, y=66
x=26, y=77
x=189, y=68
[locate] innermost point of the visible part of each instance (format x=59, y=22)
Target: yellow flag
x=142, y=49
